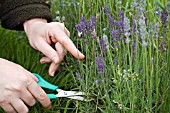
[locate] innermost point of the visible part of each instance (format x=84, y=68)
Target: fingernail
x=81, y=54
x=52, y=74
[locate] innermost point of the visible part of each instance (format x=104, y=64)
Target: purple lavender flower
x=115, y=46
x=111, y=20
x=91, y=25
x=115, y=60
x=78, y=76
x=114, y=34
x=140, y=69
x=133, y=47
x=121, y=15
x=100, y=64
x=85, y=40
x=102, y=44
x=81, y=27
x=83, y=19
x=100, y=81
x=164, y=18
x=103, y=80
x=97, y=82
x=106, y=10
x=134, y=27
x=93, y=37
x=120, y=26
x=121, y=19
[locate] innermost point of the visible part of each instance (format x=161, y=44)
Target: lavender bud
x=126, y=27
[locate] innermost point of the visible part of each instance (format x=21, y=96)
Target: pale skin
x=18, y=85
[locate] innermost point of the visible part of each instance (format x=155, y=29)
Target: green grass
x=125, y=88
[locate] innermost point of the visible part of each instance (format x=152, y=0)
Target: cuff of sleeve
x=14, y=19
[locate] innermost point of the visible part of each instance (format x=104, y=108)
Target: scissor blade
x=78, y=98
x=62, y=93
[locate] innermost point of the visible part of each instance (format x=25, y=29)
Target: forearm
x=15, y=12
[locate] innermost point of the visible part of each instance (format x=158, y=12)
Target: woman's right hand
x=19, y=88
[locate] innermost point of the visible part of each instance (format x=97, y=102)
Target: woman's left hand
x=42, y=34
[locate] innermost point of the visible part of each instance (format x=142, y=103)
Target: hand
x=42, y=34
x=19, y=87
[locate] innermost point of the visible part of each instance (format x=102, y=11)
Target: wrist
x=30, y=23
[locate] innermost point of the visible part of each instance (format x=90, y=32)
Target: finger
x=48, y=51
x=39, y=94
x=19, y=106
x=45, y=60
x=61, y=52
x=67, y=32
x=67, y=43
x=28, y=98
x=52, y=69
x=33, y=77
x=54, y=39
x=8, y=108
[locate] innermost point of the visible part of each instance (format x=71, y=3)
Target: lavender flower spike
x=106, y=10
x=127, y=27
x=82, y=26
x=100, y=64
x=91, y=25
x=164, y=18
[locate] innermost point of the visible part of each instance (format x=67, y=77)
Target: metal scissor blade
x=62, y=93
x=78, y=98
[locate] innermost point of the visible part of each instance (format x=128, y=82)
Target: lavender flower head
x=133, y=47
x=91, y=25
x=164, y=16
x=78, y=76
x=114, y=33
x=120, y=23
x=142, y=28
x=104, y=43
x=127, y=27
x=81, y=27
x=107, y=11
x=100, y=64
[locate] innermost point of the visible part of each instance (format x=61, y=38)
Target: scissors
x=61, y=93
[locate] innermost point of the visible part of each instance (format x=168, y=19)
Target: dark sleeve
x=14, y=13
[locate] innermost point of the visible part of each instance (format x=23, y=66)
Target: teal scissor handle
x=51, y=96
x=44, y=84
